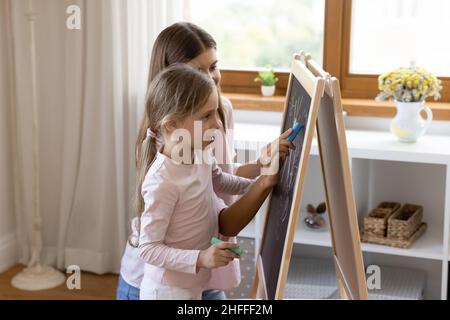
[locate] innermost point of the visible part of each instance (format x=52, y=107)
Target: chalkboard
x=315, y=105
x=282, y=194
x=301, y=106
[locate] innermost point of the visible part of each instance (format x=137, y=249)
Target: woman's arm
x=252, y=170
x=227, y=183
x=234, y=218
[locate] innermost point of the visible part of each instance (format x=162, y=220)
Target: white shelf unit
x=383, y=169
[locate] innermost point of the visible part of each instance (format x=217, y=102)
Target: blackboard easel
x=313, y=98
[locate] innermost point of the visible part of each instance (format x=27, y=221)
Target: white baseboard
x=8, y=251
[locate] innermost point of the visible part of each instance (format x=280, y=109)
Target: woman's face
x=207, y=63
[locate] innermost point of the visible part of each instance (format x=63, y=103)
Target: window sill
x=255, y=102
x=353, y=107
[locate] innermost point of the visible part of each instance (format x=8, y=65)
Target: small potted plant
x=409, y=87
x=268, y=80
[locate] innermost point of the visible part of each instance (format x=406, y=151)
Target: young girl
x=185, y=43
x=181, y=212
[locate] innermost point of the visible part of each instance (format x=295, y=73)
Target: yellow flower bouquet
x=409, y=85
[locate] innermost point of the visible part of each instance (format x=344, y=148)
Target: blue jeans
x=213, y=295
x=126, y=291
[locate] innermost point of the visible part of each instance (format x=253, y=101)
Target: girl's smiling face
x=207, y=63
x=208, y=118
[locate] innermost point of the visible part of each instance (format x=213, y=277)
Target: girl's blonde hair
x=178, y=43
x=174, y=94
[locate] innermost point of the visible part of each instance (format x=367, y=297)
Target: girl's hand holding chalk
x=236, y=250
x=218, y=255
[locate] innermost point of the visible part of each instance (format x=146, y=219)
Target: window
x=253, y=33
x=364, y=39
x=388, y=34
x=355, y=40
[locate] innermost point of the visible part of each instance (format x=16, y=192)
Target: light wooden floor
x=93, y=287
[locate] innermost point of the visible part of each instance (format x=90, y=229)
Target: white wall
x=8, y=253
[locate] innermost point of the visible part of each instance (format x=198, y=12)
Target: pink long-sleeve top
x=180, y=217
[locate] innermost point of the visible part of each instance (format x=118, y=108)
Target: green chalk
x=238, y=251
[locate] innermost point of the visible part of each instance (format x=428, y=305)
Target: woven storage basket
x=375, y=223
x=394, y=242
x=405, y=221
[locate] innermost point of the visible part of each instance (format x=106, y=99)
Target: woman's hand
x=217, y=255
x=273, y=155
x=276, y=150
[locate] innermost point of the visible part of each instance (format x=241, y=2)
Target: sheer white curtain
x=8, y=249
x=91, y=86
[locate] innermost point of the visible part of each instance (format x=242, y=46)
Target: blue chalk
x=295, y=131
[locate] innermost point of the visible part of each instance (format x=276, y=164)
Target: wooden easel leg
x=342, y=294
x=255, y=286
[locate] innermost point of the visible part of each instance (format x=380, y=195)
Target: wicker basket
x=375, y=223
x=405, y=221
x=394, y=242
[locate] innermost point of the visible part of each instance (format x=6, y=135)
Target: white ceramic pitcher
x=409, y=125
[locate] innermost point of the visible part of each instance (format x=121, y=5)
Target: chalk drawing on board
x=298, y=109
x=299, y=112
